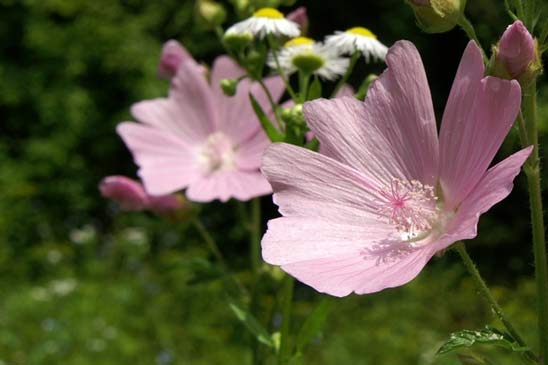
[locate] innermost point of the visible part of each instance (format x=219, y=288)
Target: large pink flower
x=388, y=194
x=200, y=139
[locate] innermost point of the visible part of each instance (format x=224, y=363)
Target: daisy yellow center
x=269, y=13
x=411, y=207
x=299, y=41
x=217, y=153
x=361, y=31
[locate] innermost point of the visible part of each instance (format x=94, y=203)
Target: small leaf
x=313, y=324
x=252, y=324
x=315, y=90
x=488, y=335
x=270, y=130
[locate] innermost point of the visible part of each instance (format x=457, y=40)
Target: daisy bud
x=212, y=12
x=236, y=41
x=229, y=86
x=437, y=16
x=516, y=56
x=300, y=17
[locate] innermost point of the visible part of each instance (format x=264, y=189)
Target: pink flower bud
x=128, y=193
x=516, y=49
x=165, y=204
x=300, y=17
x=173, y=54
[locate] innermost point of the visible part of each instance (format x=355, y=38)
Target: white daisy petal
x=357, y=39
x=325, y=61
x=266, y=21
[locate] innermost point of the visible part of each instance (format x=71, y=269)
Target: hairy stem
x=287, y=301
x=486, y=293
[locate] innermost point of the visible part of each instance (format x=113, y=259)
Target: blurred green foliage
x=83, y=284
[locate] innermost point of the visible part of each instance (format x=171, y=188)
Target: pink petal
x=250, y=152
x=125, y=191
x=223, y=185
x=477, y=118
x=331, y=257
x=342, y=275
x=494, y=186
x=192, y=102
x=224, y=68
x=166, y=164
x=308, y=184
x=390, y=135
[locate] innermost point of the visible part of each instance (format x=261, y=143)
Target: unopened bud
x=212, y=12
x=173, y=54
x=300, y=17
x=235, y=41
x=229, y=86
x=516, y=55
x=293, y=115
x=437, y=16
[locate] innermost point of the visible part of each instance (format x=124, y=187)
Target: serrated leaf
x=252, y=324
x=313, y=324
x=270, y=130
x=488, y=336
x=315, y=90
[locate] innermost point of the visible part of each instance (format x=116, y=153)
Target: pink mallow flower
x=387, y=193
x=300, y=17
x=200, y=139
x=131, y=196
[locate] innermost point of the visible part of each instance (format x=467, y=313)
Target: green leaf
x=488, y=336
x=252, y=324
x=313, y=324
x=315, y=90
x=270, y=130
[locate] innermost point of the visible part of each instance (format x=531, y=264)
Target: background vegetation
x=82, y=283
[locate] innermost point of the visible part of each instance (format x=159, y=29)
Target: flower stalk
x=532, y=170
x=287, y=301
x=486, y=293
x=342, y=81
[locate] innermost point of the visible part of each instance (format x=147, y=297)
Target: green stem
x=468, y=28
x=342, y=81
x=304, y=81
x=255, y=230
x=287, y=301
x=280, y=71
x=273, y=104
x=255, y=260
x=484, y=290
x=210, y=242
x=364, y=87
x=532, y=170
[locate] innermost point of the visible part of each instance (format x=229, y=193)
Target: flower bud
x=437, y=16
x=229, y=86
x=173, y=54
x=300, y=17
x=515, y=56
x=167, y=204
x=236, y=41
x=128, y=193
x=211, y=12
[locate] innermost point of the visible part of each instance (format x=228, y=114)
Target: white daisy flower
x=304, y=54
x=266, y=21
x=357, y=38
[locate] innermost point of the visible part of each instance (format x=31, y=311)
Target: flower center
x=218, y=153
x=361, y=31
x=411, y=207
x=269, y=13
x=299, y=41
